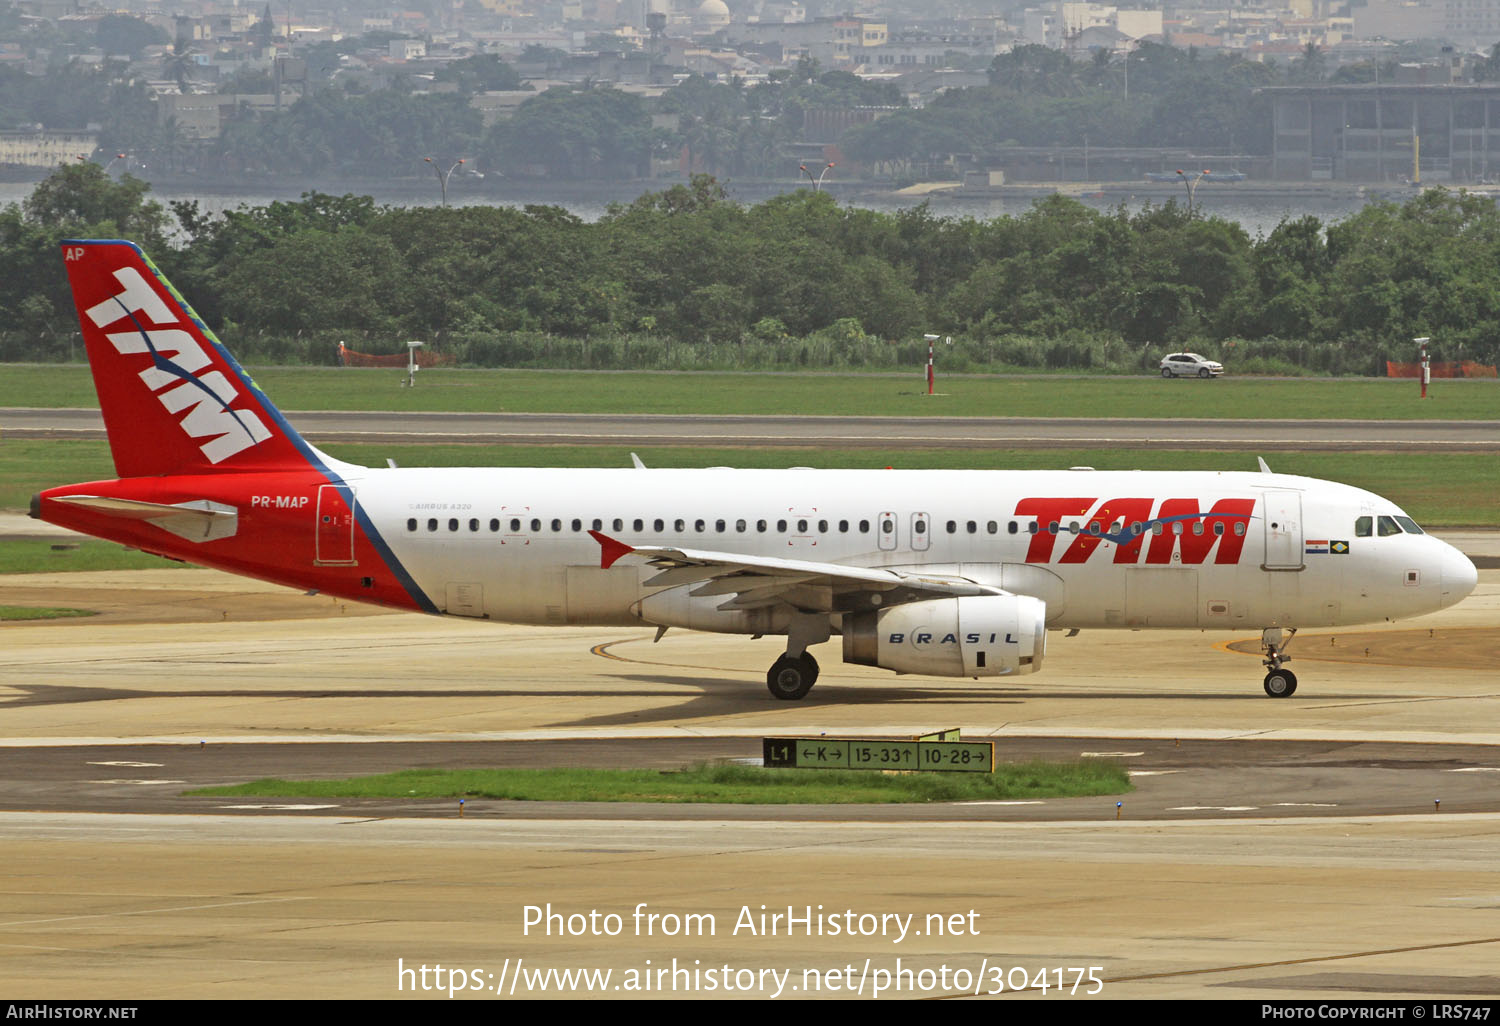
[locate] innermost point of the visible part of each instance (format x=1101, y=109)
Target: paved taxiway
x=1272, y=848
x=322, y=427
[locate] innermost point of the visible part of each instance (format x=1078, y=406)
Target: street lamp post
x=1192, y=185
x=818, y=181
x=442, y=176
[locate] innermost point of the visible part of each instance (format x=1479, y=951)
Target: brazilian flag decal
x=1339, y=548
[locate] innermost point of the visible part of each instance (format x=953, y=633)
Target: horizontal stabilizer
x=199, y=520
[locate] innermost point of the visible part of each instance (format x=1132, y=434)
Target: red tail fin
x=174, y=401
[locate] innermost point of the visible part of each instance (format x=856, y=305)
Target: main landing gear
x=1279, y=683
x=793, y=675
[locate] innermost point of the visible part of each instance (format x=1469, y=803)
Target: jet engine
x=972, y=636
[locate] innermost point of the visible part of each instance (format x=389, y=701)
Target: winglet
x=609, y=549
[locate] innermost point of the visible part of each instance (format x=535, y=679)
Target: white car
x=1190, y=365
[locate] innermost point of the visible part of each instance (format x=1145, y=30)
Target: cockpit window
x=1410, y=525
x=1388, y=527
x=1363, y=527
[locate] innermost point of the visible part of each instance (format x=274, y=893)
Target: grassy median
x=820, y=393
x=711, y=782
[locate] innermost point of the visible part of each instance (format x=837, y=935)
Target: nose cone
x=1458, y=575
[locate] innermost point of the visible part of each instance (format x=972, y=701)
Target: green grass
x=41, y=613
x=1438, y=489
x=819, y=393
x=711, y=783
x=36, y=556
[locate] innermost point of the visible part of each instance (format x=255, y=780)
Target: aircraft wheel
x=1281, y=683
x=790, y=679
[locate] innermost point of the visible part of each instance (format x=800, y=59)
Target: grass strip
x=828, y=393
x=41, y=613
x=37, y=556
x=711, y=782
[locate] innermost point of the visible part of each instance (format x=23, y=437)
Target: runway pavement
x=1264, y=436
x=1287, y=849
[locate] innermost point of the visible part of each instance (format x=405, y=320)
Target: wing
x=752, y=582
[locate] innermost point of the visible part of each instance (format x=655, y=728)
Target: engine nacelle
x=973, y=636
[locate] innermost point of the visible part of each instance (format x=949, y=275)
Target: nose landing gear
x=1279, y=683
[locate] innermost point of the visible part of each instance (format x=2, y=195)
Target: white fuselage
x=513, y=544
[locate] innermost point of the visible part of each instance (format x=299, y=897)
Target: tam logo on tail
x=207, y=398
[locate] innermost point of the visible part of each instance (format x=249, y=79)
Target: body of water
x=1257, y=210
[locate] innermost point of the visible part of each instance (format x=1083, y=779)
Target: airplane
x=945, y=573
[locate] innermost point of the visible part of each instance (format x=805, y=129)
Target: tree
x=123, y=34
x=80, y=197
x=179, y=64
x=483, y=72
x=594, y=133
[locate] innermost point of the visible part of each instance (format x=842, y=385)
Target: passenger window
x=920, y=527
x=1388, y=527
x=411, y=525
x=822, y=527
x=864, y=527
x=1410, y=525
x=698, y=526
x=453, y=523
x=1052, y=527
x=432, y=525
x=598, y=524
x=494, y=524
x=536, y=524
x=679, y=525
x=952, y=526
x=638, y=524
x=577, y=524
x=760, y=525
x=619, y=524
x=1239, y=528
x=739, y=525
x=719, y=526
x=1197, y=527
x=802, y=527
x=994, y=528
x=781, y=527
x=843, y=527
x=1219, y=527
x=658, y=525
x=473, y=523
x=887, y=526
